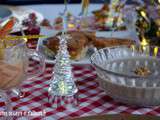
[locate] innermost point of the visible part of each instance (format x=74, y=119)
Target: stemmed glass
x=84, y=7
x=82, y=21
x=130, y=19
x=14, y=61
x=115, y=13
x=66, y=5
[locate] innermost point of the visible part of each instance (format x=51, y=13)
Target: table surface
x=92, y=99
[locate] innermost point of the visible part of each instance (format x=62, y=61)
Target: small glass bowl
x=116, y=66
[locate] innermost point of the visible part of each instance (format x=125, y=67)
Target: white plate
x=86, y=60
x=21, y=14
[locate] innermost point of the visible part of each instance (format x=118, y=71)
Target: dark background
x=16, y=2
x=23, y=2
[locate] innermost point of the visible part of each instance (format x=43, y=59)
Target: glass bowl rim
x=120, y=74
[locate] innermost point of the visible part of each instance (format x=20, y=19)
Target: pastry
x=102, y=42
x=77, y=45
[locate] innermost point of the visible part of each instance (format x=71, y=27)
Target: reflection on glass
x=85, y=5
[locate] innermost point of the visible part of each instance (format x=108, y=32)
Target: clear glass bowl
x=116, y=69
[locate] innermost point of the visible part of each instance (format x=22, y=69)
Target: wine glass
x=115, y=14
x=84, y=7
x=14, y=61
x=130, y=19
x=82, y=20
x=66, y=5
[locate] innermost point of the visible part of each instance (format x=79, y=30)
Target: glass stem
x=66, y=5
x=7, y=100
x=18, y=92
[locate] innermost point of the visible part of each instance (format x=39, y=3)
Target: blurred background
x=24, y=2
x=16, y=2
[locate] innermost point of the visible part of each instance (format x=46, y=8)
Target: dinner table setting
x=80, y=61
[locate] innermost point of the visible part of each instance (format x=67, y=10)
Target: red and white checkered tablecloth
x=92, y=99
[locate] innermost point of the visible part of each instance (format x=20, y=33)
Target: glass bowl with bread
x=129, y=74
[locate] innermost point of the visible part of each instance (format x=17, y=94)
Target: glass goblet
x=14, y=61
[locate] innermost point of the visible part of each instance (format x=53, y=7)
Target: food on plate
x=7, y=28
x=142, y=71
x=102, y=42
x=30, y=21
x=105, y=18
x=102, y=14
x=33, y=28
x=80, y=42
x=77, y=44
x=4, y=31
x=58, y=22
x=46, y=23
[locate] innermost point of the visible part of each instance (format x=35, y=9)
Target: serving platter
x=20, y=13
x=86, y=60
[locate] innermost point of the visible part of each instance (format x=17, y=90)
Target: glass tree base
x=63, y=101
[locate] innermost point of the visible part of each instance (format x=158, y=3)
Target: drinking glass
x=130, y=19
x=14, y=62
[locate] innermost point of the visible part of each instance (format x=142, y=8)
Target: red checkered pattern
x=92, y=99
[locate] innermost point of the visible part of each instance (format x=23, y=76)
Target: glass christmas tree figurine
x=62, y=89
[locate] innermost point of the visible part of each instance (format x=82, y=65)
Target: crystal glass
x=82, y=20
x=115, y=14
x=85, y=5
x=14, y=61
x=117, y=69
x=130, y=19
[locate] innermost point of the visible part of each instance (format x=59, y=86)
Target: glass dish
x=116, y=68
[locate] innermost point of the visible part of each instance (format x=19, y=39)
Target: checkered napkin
x=92, y=99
